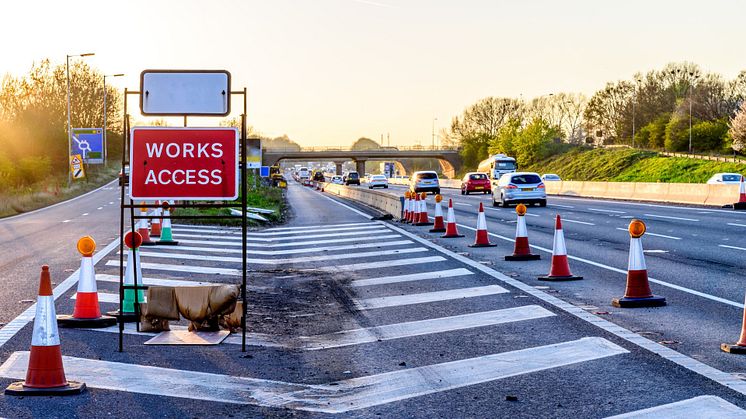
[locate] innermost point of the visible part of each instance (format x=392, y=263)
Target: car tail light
x=511, y=187
x=541, y=186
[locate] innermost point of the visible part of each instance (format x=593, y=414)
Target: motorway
x=364, y=318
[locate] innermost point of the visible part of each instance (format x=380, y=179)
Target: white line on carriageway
x=428, y=297
x=606, y=210
x=275, y=234
x=284, y=239
x=291, y=251
x=577, y=222
x=379, y=235
x=696, y=407
x=410, y=277
x=647, y=233
x=671, y=218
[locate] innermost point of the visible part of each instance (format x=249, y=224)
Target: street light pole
x=69, y=129
x=433, y=139
x=105, y=142
x=691, y=86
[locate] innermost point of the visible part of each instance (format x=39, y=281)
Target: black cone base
x=126, y=317
x=560, y=278
x=733, y=349
x=482, y=245
x=64, y=320
x=626, y=302
x=518, y=258
x=739, y=206
x=150, y=243
x=437, y=230
x=72, y=387
x=423, y=224
x=452, y=236
x=167, y=243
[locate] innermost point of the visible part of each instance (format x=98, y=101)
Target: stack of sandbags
x=206, y=307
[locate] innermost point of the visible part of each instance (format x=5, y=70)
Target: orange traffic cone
x=414, y=215
x=87, y=312
x=46, y=374
x=144, y=229
x=482, y=239
x=521, y=251
x=155, y=222
x=741, y=204
x=559, y=270
x=740, y=346
x=405, y=207
x=451, y=228
x=424, y=220
x=438, y=226
x=638, y=293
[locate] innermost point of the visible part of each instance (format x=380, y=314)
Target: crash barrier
x=678, y=193
x=383, y=201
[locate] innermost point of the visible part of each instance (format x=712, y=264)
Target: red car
x=475, y=182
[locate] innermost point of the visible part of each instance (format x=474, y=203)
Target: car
x=351, y=178
x=725, y=178
x=424, y=181
x=550, y=177
x=378, y=181
x=337, y=179
x=475, y=182
x=124, y=176
x=319, y=177
x=519, y=187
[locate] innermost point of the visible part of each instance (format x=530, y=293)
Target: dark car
x=319, y=177
x=475, y=182
x=124, y=176
x=352, y=178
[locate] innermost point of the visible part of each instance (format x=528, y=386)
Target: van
x=425, y=181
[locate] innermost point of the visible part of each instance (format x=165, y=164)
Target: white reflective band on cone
x=520, y=227
x=481, y=222
x=451, y=216
x=87, y=277
x=438, y=210
x=559, y=243
x=166, y=221
x=129, y=277
x=45, y=324
x=636, y=256
x=406, y=205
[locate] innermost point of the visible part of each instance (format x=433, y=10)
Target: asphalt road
x=364, y=318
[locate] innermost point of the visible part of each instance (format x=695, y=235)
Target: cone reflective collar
x=740, y=346
x=559, y=270
x=46, y=374
x=451, y=228
x=638, y=293
x=423, y=220
x=414, y=215
x=438, y=226
x=155, y=222
x=167, y=235
x=482, y=239
x=87, y=312
x=522, y=250
x=143, y=228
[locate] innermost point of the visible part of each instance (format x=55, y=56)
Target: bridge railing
x=332, y=148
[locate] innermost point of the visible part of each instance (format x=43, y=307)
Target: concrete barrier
x=720, y=195
x=384, y=201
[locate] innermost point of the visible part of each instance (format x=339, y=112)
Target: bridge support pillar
x=338, y=165
x=360, y=167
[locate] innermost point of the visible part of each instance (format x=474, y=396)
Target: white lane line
x=696, y=407
x=410, y=277
x=66, y=221
x=100, y=208
x=111, y=202
x=667, y=217
x=274, y=234
x=383, y=234
x=532, y=215
x=492, y=209
x=561, y=206
x=381, y=264
x=577, y=222
x=428, y=297
x=84, y=214
x=283, y=239
x=337, y=397
x=15, y=325
x=605, y=210
x=291, y=251
x=318, y=226
x=720, y=377
x=731, y=247
x=737, y=225
x=183, y=268
x=322, y=258
x=156, y=281
x=647, y=233
x=462, y=204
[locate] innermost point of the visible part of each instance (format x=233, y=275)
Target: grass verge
x=262, y=197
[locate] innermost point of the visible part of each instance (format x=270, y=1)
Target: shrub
x=33, y=169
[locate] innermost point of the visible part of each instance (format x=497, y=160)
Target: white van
x=425, y=181
x=304, y=173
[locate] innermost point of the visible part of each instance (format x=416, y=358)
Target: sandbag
x=151, y=324
x=161, y=303
x=223, y=299
x=193, y=302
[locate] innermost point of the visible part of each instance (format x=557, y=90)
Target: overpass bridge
x=448, y=157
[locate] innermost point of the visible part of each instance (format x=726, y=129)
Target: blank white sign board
x=185, y=92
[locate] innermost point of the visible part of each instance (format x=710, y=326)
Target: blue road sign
x=89, y=143
x=264, y=171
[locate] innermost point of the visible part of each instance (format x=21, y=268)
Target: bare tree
x=738, y=129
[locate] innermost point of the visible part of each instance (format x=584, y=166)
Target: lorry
x=496, y=166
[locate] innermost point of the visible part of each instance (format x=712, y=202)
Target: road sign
x=264, y=171
x=254, y=153
x=76, y=167
x=184, y=163
x=89, y=143
x=185, y=92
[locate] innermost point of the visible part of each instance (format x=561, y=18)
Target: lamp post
x=433, y=137
x=105, y=142
x=691, y=86
x=634, y=100
x=69, y=129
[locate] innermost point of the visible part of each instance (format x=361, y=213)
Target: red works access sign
x=184, y=163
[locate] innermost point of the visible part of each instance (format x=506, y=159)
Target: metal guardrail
x=711, y=157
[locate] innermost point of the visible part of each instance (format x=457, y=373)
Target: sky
x=326, y=72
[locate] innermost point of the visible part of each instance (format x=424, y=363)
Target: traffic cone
x=741, y=204
x=424, y=220
x=482, y=239
x=143, y=228
x=438, y=226
x=132, y=276
x=87, y=312
x=740, y=346
x=405, y=208
x=638, y=293
x=451, y=228
x=414, y=215
x=559, y=270
x=167, y=238
x=155, y=222
x=46, y=374
x=521, y=251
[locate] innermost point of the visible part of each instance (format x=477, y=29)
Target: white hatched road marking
x=410, y=277
x=156, y=281
x=577, y=222
x=338, y=397
x=278, y=233
x=319, y=226
x=647, y=233
x=429, y=297
x=293, y=251
x=322, y=258
x=383, y=234
x=606, y=210
x=284, y=239
x=667, y=217
x=183, y=268
x=697, y=407
x=381, y=264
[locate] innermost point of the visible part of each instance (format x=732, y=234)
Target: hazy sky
x=326, y=72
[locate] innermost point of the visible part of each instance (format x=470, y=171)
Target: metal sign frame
x=226, y=91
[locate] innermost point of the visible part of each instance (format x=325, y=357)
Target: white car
x=377, y=181
x=337, y=179
x=424, y=181
x=551, y=177
x=725, y=178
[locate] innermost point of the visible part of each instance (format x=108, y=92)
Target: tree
x=364, y=143
x=480, y=123
x=677, y=132
x=609, y=111
x=709, y=135
x=738, y=129
x=535, y=142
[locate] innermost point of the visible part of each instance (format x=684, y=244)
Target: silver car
x=520, y=187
